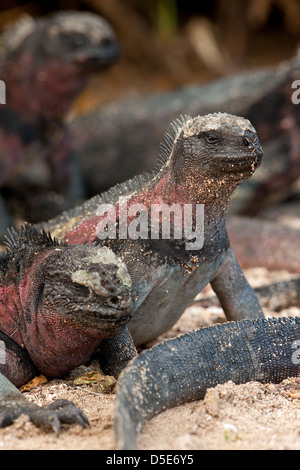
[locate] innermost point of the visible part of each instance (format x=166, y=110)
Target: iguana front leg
x=115, y=353
x=15, y=361
x=235, y=294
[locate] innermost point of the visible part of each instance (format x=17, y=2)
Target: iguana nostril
x=246, y=141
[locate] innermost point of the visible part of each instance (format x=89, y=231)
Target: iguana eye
x=73, y=40
x=77, y=289
x=106, y=42
x=209, y=137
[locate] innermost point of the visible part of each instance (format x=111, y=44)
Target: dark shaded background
x=169, y=43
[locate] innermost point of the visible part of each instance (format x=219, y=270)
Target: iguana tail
x=182, y=369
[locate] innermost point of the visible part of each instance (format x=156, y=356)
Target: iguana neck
x=214, y=194
x=41, y=90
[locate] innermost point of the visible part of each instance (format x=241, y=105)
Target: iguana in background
x=203, y=161
x=118, y=140
x=45, y=64
x=57, y=304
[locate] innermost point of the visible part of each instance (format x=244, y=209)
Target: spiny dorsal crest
x=90, y=25
x=168, y=141
x=137, y=182
x=29, y=237
x=16, y=34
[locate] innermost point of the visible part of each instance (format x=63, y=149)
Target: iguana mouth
x=243, y=160
x=113, y=320
x=243, y=163
x=94, y=59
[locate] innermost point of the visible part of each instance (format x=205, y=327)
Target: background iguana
x=45, y=64
x=203, y=161
x=57, y=304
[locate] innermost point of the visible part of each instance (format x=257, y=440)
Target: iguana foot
x=48, y=417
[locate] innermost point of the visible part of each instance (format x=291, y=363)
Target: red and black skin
x=45, y=65
x=50, y=323
x=203, y=161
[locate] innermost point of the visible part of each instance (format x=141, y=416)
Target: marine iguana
x=129, y=131
x=57, y=304
x=203, y=161
x=45, y=64
x=183, y=368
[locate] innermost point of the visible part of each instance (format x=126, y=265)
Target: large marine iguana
x=57, y=304
x=45, y=64
x=203, y=161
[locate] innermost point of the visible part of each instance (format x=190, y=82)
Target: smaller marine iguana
x=45, y=64
x=57, y=304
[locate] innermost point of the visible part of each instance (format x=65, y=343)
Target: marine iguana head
x=219, y=146
x=85, y=287
x=203, y=160
x=46, y=62
x=82, y=39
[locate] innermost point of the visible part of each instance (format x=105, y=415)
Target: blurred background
x=166, y=44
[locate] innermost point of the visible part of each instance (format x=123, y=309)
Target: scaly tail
x=182, y=369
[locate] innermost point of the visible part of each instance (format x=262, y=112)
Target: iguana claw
x=47, y=417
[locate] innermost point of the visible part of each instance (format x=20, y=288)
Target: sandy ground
x=250, y=416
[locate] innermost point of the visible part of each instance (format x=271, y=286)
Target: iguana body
x=203, y=162
x=129, y=131
x=45, y=64
x=57, y=304
x=182, y=369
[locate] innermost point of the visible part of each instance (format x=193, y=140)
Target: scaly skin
x=57, y=304
x=45, y=64
x=182, y=369
x=203, y=162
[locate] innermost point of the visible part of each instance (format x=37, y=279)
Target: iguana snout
x=246, y=157
x=216, y=147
